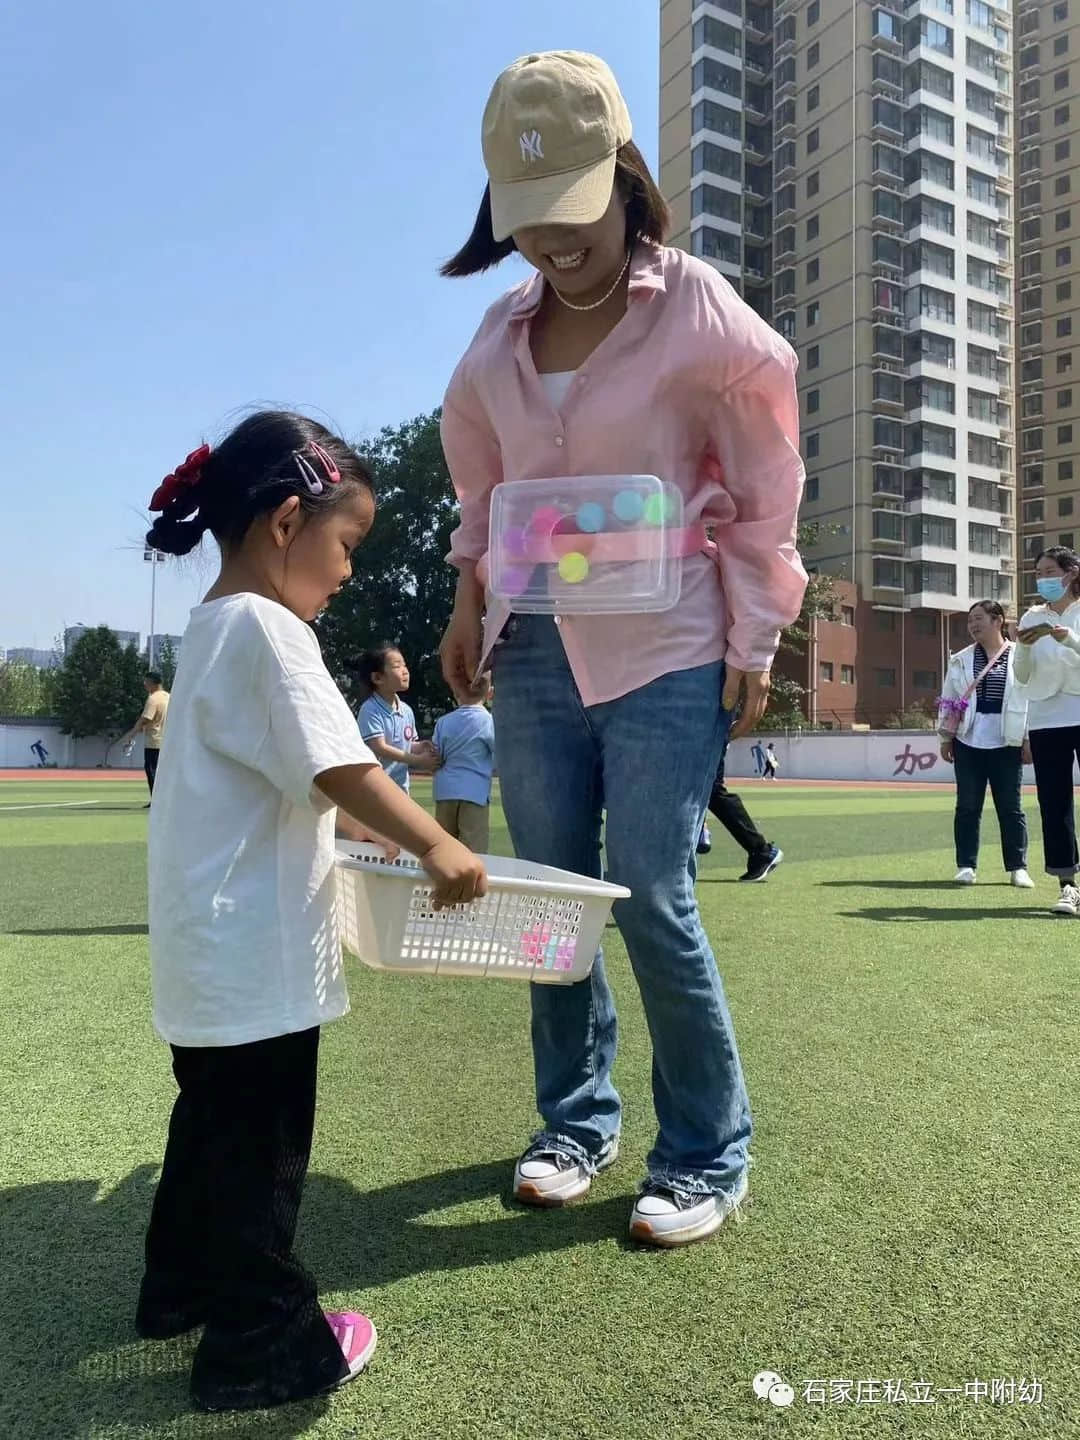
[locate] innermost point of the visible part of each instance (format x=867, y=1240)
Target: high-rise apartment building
x=848, y=165
x=1048, y=274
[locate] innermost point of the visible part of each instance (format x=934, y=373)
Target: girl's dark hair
x=1065, y=559
x=991, y=608
x=373, y=662
x=268, y=457
x=647, y=217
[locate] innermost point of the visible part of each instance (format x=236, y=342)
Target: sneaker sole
x=643, y=1232
x=1063, y=914
x=529, y=1192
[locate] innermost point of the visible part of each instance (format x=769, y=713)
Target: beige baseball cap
x=551, y=129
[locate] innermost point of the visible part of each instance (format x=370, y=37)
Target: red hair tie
x=184, y=477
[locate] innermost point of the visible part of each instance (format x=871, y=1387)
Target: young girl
x=621, y=357
x=1047, y=667
x=988, y=746
x=245, y=957
x=387, y=724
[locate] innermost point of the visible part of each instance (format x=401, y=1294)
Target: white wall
x=88, y=754
x=893, y=755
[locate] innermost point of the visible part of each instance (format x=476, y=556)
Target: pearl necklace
x=603, y=299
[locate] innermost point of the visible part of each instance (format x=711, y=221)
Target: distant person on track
x=42, y=754
x=982, y=723
x=759, y=758
x=762, y=856
x=151, y=725
x=772, y=763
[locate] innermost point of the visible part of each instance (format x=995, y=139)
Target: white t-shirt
x=556, y=385
x=244, y=942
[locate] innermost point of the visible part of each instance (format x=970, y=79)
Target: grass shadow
x=73, y=1365
x=87, y=930
x=925, y=885
x=932, y=914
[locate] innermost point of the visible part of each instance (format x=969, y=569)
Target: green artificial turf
x=914, y=1065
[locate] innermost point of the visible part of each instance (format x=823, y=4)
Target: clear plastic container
x=588, y=544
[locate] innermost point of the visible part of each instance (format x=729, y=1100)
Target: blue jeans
x=648, y=759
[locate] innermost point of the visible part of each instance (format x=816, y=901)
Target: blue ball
x=591, y=517
x=629, y=506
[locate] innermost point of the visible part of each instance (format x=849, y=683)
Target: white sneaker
x=965, y=876
x=1022, y=880
x=668, y=1217
x=1069, y=904
x=549, y=1178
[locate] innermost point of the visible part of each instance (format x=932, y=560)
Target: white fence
x=894, y=755
x=17, y=736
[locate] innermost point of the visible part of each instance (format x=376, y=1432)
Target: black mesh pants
x=219, y=1246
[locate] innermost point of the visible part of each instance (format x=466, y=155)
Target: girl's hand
x=459, y=652
x=1059, y=632
x=458, y=875
x=948, y=751
x=753, y=685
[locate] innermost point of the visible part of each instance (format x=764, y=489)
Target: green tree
x=402, y=590
x=166, y=663
x=23, y=689
x=99, y=688
x=787, y=698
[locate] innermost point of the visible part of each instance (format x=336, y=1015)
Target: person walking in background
x=762, y=856
x=1047, y=670
x=42, y=754
x=386, y=722
x=151, y=726
x=759, y=758
x=985, y=741
x=465, y=741
x=772, y=764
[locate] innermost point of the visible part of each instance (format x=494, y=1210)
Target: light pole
x=153, y=558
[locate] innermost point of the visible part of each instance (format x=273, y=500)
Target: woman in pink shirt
x=618, y=356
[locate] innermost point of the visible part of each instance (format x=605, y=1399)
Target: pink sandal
x=357, y=1337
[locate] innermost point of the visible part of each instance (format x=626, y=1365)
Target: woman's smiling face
x=578, y=260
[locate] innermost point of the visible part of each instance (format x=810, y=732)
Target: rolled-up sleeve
x=475, y=464
x=754, y=434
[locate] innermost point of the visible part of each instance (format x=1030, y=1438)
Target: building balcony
x=755, y=278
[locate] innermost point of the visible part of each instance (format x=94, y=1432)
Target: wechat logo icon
x=768, y=1385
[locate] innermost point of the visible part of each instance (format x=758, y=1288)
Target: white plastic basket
x=535, y=923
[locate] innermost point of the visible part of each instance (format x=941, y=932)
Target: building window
x=813, y=12
x=926, y=624
x=813, y=313
x=885, y=679
x=1064, y=256
x=813, y=445
x=813, y=487
x=847, y=674
x=1064, y=327
x=813, y=270
x=813, y=55
x=1061, y=44
x=813, y=227
x=1029, y=57
x=813, y=401
x=826, y=668
x=925, y=679
x=885, y=619
x=1065, y=502
x=1062, y=149
x=847, y=615
x=1064, y=399
x=813, y=357
x=1061, y=10
x=1066, y=540
x=1064, y=290
x=813, y=184
x=1061, y=80
x=1065, y=434
x=813, y=97
x=1064, y=362
x=1063, y=220
x=1062, y=185
x=1061, y=115
x=813, y=140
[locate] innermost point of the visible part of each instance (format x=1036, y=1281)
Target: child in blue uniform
x=387, y=723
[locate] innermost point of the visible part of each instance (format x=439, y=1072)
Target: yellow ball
x=573, y=568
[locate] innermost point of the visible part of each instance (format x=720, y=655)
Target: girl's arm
x=381, y=747
x=371, y=797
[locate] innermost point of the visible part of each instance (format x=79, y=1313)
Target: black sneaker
x=761, y=866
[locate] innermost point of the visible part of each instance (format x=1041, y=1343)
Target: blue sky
x=214, y=205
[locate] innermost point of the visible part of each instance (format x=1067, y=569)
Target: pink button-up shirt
x=691, y=385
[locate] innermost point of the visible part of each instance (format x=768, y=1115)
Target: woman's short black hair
x=1064, y=559
x=991, y=608
x=268, y=457
x=154, y=676
x=373, y=662
x=647, y=217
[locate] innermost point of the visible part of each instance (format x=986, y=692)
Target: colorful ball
x=544, y=520
x=515, y=579
x=658, y=509
x=591, y=517
x=573, y=568
x=515, y=542
x=628, y=506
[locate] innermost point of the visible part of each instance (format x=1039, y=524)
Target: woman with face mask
x=619, y=357
x=1047, y=670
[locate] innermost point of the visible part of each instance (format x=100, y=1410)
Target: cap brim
x=573, y=197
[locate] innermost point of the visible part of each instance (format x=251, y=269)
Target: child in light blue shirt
x=465, y=742
x=387, y=724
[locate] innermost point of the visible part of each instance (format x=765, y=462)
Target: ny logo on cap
x=532, y=148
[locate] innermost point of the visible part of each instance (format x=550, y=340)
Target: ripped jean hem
x=695, y=1183
x=565, y=1145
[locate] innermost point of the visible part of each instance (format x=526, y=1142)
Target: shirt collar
x=646, y=276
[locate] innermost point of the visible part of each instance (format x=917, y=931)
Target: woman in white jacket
x=1047, y=669
x=987, y=747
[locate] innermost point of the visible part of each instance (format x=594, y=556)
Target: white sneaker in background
x=1069, y=904
x=1022, y=880
x=965, y=876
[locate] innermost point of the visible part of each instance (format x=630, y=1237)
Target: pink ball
x=545, y=519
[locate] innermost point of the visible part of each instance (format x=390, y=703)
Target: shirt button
x=558, y=439
x=558, y=619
